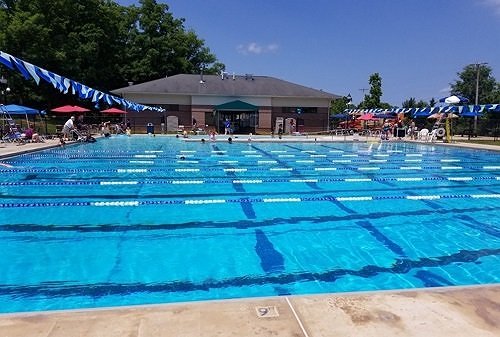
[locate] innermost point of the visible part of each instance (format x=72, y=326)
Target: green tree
x=373, y=99
x=412, y=103
x=98, y=43
x=339, y=105
x=465, y=85
x=159, y=45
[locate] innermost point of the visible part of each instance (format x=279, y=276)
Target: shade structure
x=454, y=99
x=366, y=117
x=385, y=115
x=69, y=108
x=14, y=109
x=340, y=116
x=114, y=111
x=439, y=115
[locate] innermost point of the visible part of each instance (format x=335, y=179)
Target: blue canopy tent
x=14, y=109
x=340, y=116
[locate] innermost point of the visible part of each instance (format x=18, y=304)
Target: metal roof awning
x=236, y=106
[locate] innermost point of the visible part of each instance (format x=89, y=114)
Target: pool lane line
x=241, y=180
x=136, y=203
x=248, y=168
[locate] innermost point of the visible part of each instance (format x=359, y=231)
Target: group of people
x=74, y=129
x=398, y=130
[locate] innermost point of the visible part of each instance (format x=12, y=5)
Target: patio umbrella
x=366, y=117
x=114, y=111
x=454, y=99
x=439, y=115
x=69, y=108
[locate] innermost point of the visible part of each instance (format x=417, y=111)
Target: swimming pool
x=142, y=220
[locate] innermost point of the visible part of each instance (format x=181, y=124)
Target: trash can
x=150, y=128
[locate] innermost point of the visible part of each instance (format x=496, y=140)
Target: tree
x=412, y=103
x=466, y=84
x=159, y=45
x=339, y=105
x=97, y=42
x=372, y=100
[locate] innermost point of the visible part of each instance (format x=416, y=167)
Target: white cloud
x=257, y=49
x=494, y=4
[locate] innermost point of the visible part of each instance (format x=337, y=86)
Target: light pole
x=5, y=88
x=476, y=101
x=348, y=103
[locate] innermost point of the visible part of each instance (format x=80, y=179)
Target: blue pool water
x=144, y=220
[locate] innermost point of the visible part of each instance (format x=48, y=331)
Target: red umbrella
x=113, y=111
x=70, y=108
x=366, y=117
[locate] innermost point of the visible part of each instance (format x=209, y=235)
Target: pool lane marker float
x=249, y=181
x=132, y=170
x=187, y=170
x=149, y=162
x=115, y=203
x=206, y=201
x=305, y=168
x=303, y=180
x=136, y=203
x=325, y=169
x=187, y=182
x=145, y=156
x=228, y=181
x=118, y=183
x=281, y=169
x=235, y=170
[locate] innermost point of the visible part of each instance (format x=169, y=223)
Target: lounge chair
x=423, y=135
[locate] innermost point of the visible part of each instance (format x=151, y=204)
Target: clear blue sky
x=417, y=46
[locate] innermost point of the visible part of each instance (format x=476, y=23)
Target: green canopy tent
x=243, y=115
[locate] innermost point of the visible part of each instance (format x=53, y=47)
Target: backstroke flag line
x=64, y=85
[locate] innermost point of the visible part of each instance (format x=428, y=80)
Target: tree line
x=488, y=91
x=99, y=43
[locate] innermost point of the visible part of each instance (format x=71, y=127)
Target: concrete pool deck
x=452, y=311
x=448, y=311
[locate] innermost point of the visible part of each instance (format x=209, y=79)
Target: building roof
x=238, y=85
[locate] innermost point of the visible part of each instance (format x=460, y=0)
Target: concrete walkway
x=454, y=312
